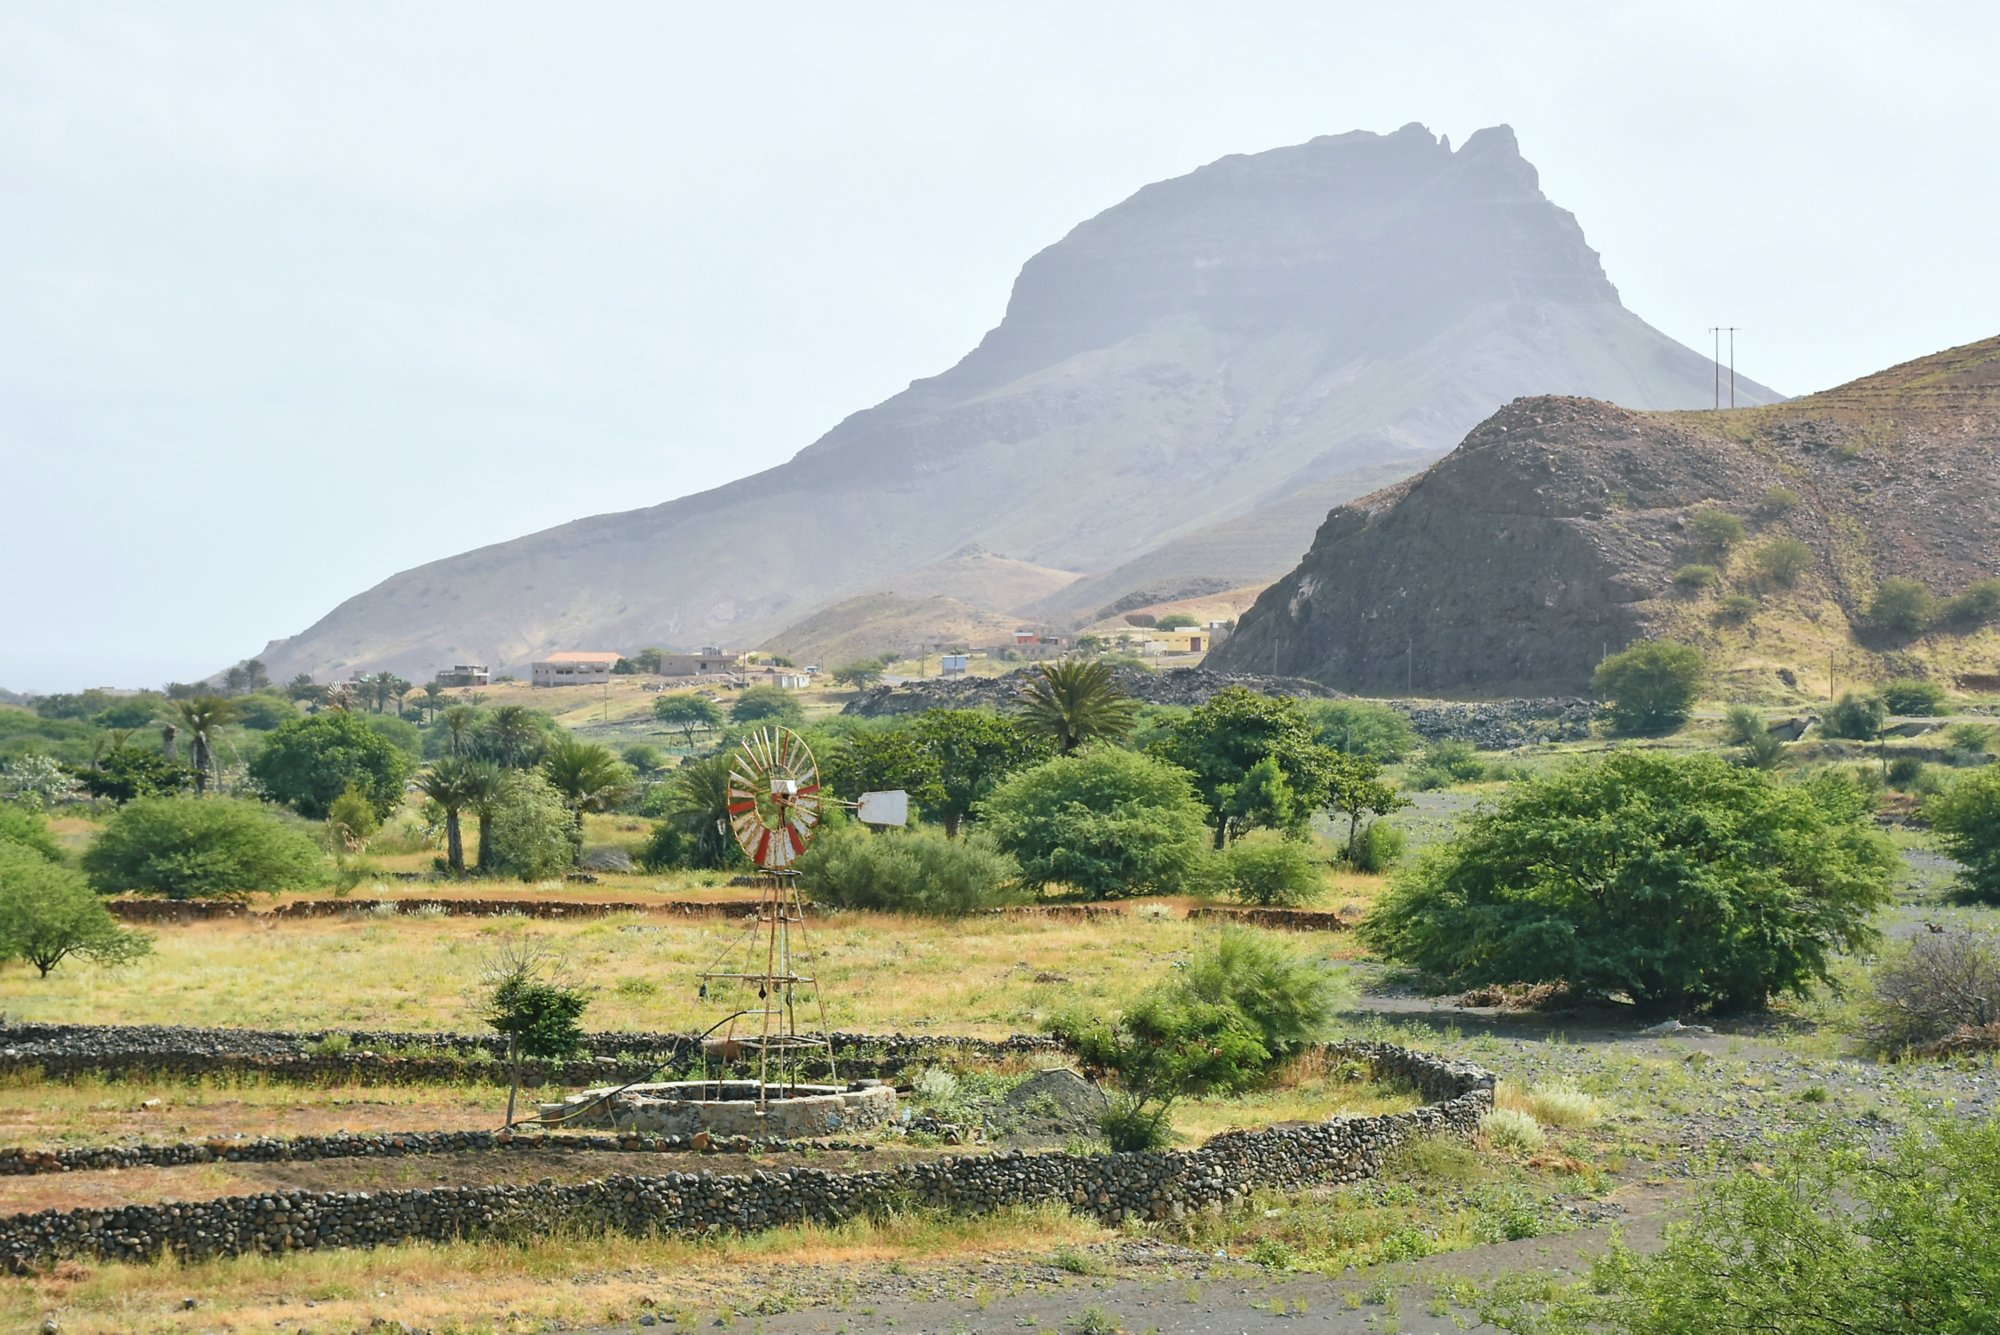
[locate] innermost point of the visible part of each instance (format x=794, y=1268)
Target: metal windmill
x=774, y=811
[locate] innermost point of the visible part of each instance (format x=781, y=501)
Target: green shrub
x=1778, y=502
x=1741, y=723
x=666, y=849
x=1277, y=873
x=1857, y=716
x=907, y=871
x=1977, y=605
x=1782, y=560
x=1511, y=1129
x=1695, y=578
x=1971, y=738
x=48, y=913
x=1380, y=847
x=1832, y=1235
x=1108, y=823
x=530, y=833
x=1735, y=608
x=1904, y=772
x=1651, y=686
x=1966, y=817
x=1912, y=698
x=309, y=762
x=1716, y=529
x=1675, y=880
x=1454, y=757
x=30, y=829
x=1901, y=606
x=200, y=847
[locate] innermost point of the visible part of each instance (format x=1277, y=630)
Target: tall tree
x=235, y=681
x=974, y=750
x=697, y=804
x=512, y=732
x=255, y=675
x=485, y=788
x=690, y=713
x=201, y=718
x=448, y=784
x=1223, y=742
x=433, y=701
x=1071, y=702
x=459, y=722
x=588, y=776
x=304, y=689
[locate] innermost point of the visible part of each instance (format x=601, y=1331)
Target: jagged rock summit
x=1179, y=390
x=1556, y=531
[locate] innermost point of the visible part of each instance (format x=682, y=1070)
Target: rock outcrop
x=1555, y=532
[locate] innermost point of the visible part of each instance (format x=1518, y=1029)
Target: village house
x=711, y=661
x=464, y=674
x=573, y=667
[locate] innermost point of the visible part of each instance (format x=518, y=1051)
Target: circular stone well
x=730, y=1108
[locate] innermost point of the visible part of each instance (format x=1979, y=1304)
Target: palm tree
x=459, y=721
x=168, y=732
x=589, y=778
x=698, y=805
x=485, y=782
x=433, y=701
x=447, y=784
x=235, y=680
x=200, y=718
x=511, y=731
x=255, y=675
x=1074, y=702
x=400, y=688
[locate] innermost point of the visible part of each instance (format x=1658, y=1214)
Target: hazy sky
x=294, y=296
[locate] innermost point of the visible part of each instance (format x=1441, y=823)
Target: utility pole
x=1716, y=330
x=1732, y=363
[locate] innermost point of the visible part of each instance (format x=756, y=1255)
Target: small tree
x=48, y=913
x=309, y=762
x=767, y=704
x=974, y=751
x=1651, y=686
x=1275, y=873
x=128, y=772
x=1356, y=789
x=1966, y=816
x=529, y=1001
x=1362, y=728
x=1176, y=621
x=1224, y=741
x=1717, y=530
x=446, y=784
x=589, y=778
x=1913, y=698
x=352, y=819
x=186, y=847
x=689, y=713
x=528, y=833
x=859, y=675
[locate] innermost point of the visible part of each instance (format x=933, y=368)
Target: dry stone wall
x=1112, y=1187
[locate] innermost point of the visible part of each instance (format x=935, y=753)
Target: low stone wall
x=410, y=1057
x=222, y=910
x=1112, y=1187
x=1288, y=920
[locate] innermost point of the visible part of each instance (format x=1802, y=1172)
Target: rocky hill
x=1561, y=529
x=1260, y=338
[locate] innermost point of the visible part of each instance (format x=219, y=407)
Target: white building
x=573, y=667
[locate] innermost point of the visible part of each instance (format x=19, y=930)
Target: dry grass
x=880, y=972
x=491, y=1286
x=1312, y=1088
x=1559, y=1105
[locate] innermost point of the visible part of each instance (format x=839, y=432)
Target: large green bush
x=1106, y=822
x=1362, y=727
x=1276, y=873
x=1900, y=606
x=309, y=762
x=907, y=871
x=200, y=848
x=1966, y=816
x=1913, y=698
x=530, y=834
x=1857, y=716
x=1651, y=686
x=30, y=829
x=1676, y=881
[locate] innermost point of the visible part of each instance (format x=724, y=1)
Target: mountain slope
x=1554, y=532
x=1305, y=317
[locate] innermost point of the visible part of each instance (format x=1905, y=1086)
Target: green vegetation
x=695, y=805
x=1275, y=873
x=1651, y=686
x=1105, y=822
x=192, y=847
x=1777, y=502
x=767, y=704
x=1735, y=608
x=1857, y=716
x=588, y=777
x=1912, y=698
x=1675, y=881
x=530, y=1003
x=1695, y=578
x=48, y=913
x=1255, y=761
x=27, y=829
x=1070, y=703
x=1782, y=561
x=1977, y=605
x=907, y=871
x=1900, y=606
x=1717, y=530
x=309, y=762
x=1832, y=1238
x=531, y=833
x=1362, y=728
x=689, y=713
x=1966, y=817
x=1930, y=987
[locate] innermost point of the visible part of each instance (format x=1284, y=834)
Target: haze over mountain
x=1178, y=391
x=1559, y=529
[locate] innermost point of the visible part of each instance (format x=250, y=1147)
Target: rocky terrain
x=1177, y=686
x=1179, y=389
x=1555, y=531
